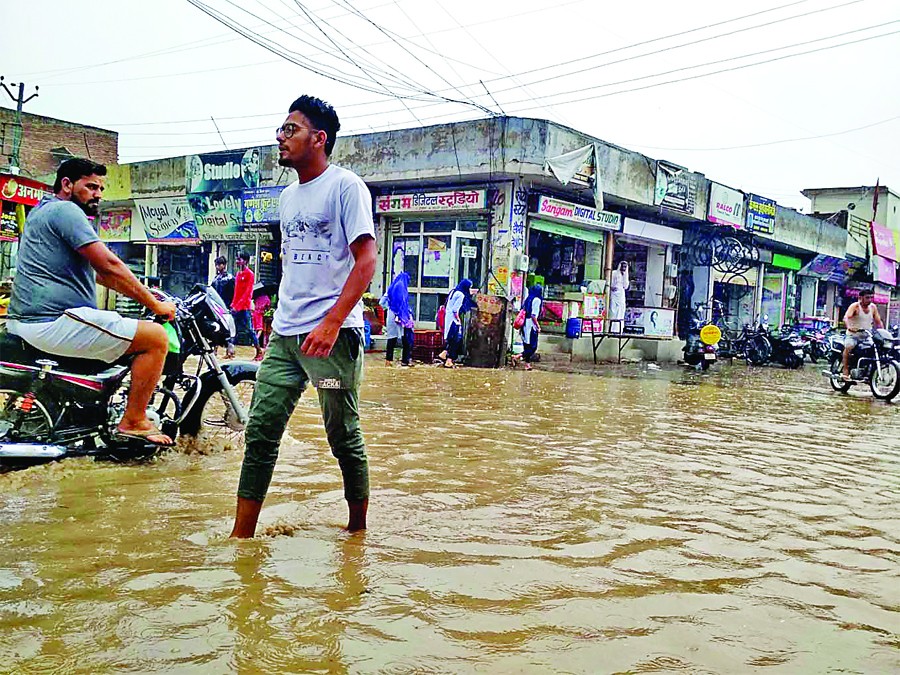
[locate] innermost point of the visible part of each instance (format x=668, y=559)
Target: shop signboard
x=829, y=268
x=877, y=298
x=115, y=225
x=650, y=321
x=168, y=220
x=218, y=215
x=787, y=262
x=884, y=271
x=676, y=188
x=883, y=242
x=726, y=206
x=549, y=207
x=761, y=214
x=419, y=202
x=773, y=298
x=22, y=190
x=260, y=205
x=224, y=171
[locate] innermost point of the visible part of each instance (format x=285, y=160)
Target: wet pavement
x=637, y=521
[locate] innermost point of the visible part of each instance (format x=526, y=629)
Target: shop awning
x=829, y=268
x=572, y=231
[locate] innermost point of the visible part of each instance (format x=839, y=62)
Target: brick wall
x=40, y=134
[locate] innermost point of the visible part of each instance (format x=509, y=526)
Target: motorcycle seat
x=16, y=350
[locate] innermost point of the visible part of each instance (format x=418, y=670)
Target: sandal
x=143, y=436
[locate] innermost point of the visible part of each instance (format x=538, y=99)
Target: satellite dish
x=851, y=206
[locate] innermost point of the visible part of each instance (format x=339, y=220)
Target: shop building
x=481, y=200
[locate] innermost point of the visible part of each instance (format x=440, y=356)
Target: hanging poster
x=222, y=171
x=167, y=220
x=115, y=225
x=435, y=263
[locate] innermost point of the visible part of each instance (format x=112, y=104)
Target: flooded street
x=639, y=521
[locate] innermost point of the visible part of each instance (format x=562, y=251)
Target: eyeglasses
x=289, y=129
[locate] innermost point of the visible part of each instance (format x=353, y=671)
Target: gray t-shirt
x=51, y=276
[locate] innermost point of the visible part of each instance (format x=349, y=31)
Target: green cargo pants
x=282, y=377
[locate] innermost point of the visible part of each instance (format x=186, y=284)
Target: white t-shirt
x=319, y=221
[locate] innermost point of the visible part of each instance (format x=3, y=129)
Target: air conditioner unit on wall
x=520, y=262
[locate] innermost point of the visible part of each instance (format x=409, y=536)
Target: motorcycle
x=53, y=407
x=788, y=348
x=753, y=344
x=873, y=361
x=701, y=346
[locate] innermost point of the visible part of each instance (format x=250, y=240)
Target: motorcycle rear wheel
x=36, y=425
x=885, y=381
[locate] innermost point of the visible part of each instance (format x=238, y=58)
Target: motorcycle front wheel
x=885, y=381
x=835, y=379
x=212, y=419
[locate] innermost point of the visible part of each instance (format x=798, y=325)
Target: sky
x=770, y=96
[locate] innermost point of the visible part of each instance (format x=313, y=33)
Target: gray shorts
x=81, y=333
x=852, y=339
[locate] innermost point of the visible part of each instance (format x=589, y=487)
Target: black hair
x=243, y=255
x=866, y=291
x=221, y=260
x=76, y=168
x=322, y=116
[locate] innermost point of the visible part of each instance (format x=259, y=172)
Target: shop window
x=439, y=226
x=436, y=262
x=412, y=228
x=428, y=306
x=471, y=226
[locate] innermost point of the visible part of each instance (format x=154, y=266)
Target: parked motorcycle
x=873, y=361
x=753, y=343
x=788, y=348
x=701, y=346
x=52, y=407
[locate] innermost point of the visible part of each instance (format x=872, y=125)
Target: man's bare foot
x=358, y=512
x=143, y=430
x=246, y=518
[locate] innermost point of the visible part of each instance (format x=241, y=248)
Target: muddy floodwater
x=637, y=521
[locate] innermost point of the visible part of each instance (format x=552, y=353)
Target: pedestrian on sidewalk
x=261, y=302
x=459, y=302
x=242, y=304
x=618, y=284
x=329, y=252
x=399, y=320
x=223, y=284
x=531, y=329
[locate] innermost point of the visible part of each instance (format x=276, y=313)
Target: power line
x=686, y=44
x=766, y=143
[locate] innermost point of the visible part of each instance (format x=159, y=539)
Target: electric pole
x=17, y=126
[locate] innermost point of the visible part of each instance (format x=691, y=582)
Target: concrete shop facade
x=464, y=200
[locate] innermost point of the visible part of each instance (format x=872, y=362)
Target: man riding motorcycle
x=860, y=318
x=54, y=307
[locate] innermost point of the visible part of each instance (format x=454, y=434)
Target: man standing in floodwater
x=328, y=257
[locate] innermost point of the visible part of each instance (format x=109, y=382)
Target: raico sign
x=726, y=206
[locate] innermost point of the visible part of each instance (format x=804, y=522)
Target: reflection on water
x=640, y=521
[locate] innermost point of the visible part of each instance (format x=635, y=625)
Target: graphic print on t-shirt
x=309, y=239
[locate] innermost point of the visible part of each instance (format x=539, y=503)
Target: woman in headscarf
x=531, y=328
x=399, y=320
x=460, y=301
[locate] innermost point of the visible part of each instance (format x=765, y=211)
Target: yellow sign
x=710, y=334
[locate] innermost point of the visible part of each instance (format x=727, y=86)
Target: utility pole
x=17, y=127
